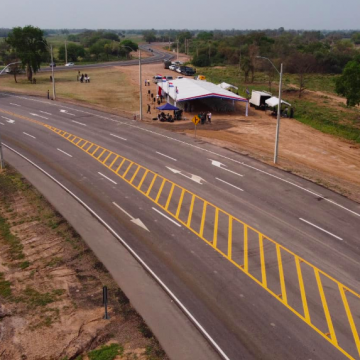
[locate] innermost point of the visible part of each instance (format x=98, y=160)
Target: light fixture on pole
x=140, y=78
x=52, y=68
x=279, y=107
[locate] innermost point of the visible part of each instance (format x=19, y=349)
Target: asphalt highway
x=266, y=262
x=157, y=56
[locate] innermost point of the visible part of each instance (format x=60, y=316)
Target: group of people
x=147, y=82
x=162, y=117
x=83, y=78
x=205, y=117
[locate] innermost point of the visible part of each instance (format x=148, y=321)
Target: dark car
x=188, y=71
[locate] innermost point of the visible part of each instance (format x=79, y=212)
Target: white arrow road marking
x=43, y=117
x=2, y=124
x=166, y=217
x=137, y=222
x=107, y=178
x=229, y=184
x=78, y=122
x=119, y=137
x=44, y=112
x=11, y=121
x=318, y=227
x=66, y=112
x=64, y=152
x=220, y=165
x=29, y=135
x=193, y=177
x=15, y=104
x=166, y=156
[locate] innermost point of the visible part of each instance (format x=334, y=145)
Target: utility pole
x=52, y=72
x=66, y=53
x=140, y=80
x=209, y=50
x=177, y=51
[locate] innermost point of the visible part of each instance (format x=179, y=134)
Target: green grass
x=5, y=287
x=107, y=352
x=36, y=299
x=328, y=120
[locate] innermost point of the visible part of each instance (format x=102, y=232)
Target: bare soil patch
x=51, y=288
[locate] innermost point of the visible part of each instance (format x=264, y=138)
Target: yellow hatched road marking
x=113, y=162
x=246, y=264
x=180, y=203
x=160, y=190
x=127, y=170
x=203, y=219
x=169, y=197
x=281, y=275
x=325, y=307
x=119, y=167
x=101, y=154
x=143, y=179
x=135, y=173
x=230, y=238
x=107, y=157
x=191, y=210
x=302, y=289
x=262, y=260
x=244, y=267
x=350, y=318
x=216, y=223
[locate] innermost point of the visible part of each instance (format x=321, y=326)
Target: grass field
x=108, y=88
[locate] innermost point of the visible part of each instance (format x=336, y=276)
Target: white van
x=258, y=99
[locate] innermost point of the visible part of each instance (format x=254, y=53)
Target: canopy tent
x=227, y=86
x=189, y=89
x=168, y=106
x=274, y=101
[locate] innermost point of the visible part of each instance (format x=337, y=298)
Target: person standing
x=209, y=115
x=145, y=82
x=148, y=109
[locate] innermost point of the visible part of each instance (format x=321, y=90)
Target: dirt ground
x=325, y=159
x=51, y=288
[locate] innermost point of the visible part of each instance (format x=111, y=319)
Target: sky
x=184, y=14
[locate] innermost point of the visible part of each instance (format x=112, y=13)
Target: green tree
x=149, y=36
x=134, y=46
x=348, y=84
x=73, y=51
x=30, y=46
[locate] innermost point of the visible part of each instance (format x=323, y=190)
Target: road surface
x=266, y=263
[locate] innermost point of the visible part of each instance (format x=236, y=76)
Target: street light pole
x=140, y=81
x=52, y=72
x=65, y=53
x=276, y=151
x=2, y=163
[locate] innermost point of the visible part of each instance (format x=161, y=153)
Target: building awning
x=190, y=89
x=274, y=101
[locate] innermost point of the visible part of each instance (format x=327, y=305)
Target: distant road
x=158, y=56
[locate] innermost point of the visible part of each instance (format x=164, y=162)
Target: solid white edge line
x=78, y=122
x=318, y=227
x=229, y=184
x=64, y=152
x=119, y=137
x=37, y=115
x=191, y=145
x=166, y=156
x=134, y=254
x=166, y=217
x=107, y=178
x=29, y=135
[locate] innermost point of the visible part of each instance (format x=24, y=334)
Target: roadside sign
x=195, y=120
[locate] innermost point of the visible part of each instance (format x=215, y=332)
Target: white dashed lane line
x=64, y=152
x=166, y=156
x=119, y=137
x=29, y=135
x=174, y=222
x=76, y=122
x=318, y=227
x=15, y=104
x=225, y=182
x=107, y=178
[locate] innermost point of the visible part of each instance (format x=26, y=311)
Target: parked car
x=168, y=78
x=258, y=99
x=179, y=77
x=70, y=64
x=186, y=70
x=172, y=67
x=52, y=64
x=200, y=77
x=177, y=63
x=178, y=69
x=157, y=78
x=167, y=64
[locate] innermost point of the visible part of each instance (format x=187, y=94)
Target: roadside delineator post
x=105, y=302
x=48, y=95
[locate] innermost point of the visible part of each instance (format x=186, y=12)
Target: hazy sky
x=191, y=14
